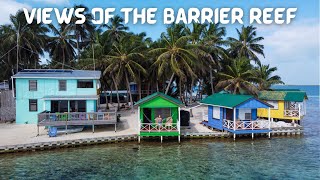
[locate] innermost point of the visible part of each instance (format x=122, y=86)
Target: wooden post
x=299, y=111
x=139, y=139
x=115, y=127
x=178, y=123
x=234, y=123
x=161, y=138
x=269, y=134
x=139, y=120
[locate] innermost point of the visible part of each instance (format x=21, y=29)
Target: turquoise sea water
x=279, y=158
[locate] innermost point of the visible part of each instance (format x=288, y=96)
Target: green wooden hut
x=159, y=115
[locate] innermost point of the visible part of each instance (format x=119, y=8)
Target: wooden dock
x=287, y=131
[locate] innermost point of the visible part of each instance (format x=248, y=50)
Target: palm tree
x=29, y=39
x=264, y=76
x=238, y=77
x=175, y=56
x=123, y=62
x=247, y=44
x=84, y=31
x=61, y=46
x=116, y=28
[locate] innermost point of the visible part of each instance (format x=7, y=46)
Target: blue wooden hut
x=236, y=114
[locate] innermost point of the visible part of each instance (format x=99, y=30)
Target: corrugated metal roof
x=157, y=94
x=61, y=74
x=297, y=96
x=77, y=97
x=226, y=100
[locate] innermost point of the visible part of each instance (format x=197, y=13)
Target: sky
x=293, y=49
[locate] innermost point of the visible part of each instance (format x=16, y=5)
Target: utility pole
x=18, y=49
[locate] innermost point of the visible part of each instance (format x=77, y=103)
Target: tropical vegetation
x=182, y=58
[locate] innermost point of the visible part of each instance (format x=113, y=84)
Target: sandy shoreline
x=13, y=134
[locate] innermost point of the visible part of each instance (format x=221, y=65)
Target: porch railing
x=244, y=125
x=291, y=113
x=155, y=127
x=80, y=117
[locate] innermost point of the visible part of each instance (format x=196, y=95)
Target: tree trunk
x=211, y=81
x=111, y=93
x=94, y=63
x=168, y=87
x=64, y=58
x=78, y=48
x=180, y=91
x=129, y=89
x=18, y=49
x=157, y=84
x=116, y=86
x=105, y=94
x=191, y=89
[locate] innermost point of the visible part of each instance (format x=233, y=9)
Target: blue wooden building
x=56, y=91
x=236, y=114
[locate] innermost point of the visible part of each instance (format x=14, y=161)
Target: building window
x=32, y=85
x=62, y=85
x=274, y=104
x=247, y=116
x=85, y=84
x=216, y=112
x=33, y=105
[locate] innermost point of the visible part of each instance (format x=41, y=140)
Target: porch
x=77, y=119
x=246, y=126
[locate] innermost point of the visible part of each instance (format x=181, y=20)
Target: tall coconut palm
x=61, y=45
x=116, y=28
x=82, y=32
x=247, y=44
x=265, y=77
x=175, y=56
x=238, y=77
x=29, y=39
x=123, y=62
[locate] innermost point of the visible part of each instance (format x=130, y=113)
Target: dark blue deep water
x=294, y=157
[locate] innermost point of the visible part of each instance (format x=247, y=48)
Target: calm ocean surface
x=279, y=158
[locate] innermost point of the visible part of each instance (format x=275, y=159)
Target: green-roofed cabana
x=236, y=114
x=159, y=115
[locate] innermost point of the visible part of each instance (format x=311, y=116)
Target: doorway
x=229, y=114
x=147, y=115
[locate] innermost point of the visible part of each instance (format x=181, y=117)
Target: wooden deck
x=77, y=119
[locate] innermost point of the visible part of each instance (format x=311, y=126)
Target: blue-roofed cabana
x=236, y=114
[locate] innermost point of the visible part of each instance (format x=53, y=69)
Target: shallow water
x=279, y=158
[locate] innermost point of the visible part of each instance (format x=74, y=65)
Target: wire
x=8, y=52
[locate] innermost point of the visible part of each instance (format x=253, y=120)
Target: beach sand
x=14, y=134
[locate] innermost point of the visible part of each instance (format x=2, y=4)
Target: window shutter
x=62, y=85
x=32, y=85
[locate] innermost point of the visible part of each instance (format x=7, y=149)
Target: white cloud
x=8, y=7
x=294, y=49
x=56, y=2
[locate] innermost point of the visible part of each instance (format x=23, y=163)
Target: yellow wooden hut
x=287, y=104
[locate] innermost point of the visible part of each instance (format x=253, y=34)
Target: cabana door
x=229, y=114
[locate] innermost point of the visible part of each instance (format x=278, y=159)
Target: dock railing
x=244, y=125
x=77, y=118
x=291, y=113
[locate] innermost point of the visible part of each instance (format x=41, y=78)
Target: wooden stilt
x=179, y=138
x=115, y=127
x=252, y=135
x=161, y=138
x=269, y=134
x=139, y=139
x=38, y=131
x=234, y=136
x=93, y=128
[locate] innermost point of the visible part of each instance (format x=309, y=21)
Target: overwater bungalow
x=236, y=114
x=159, y=115
x=287, y=104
